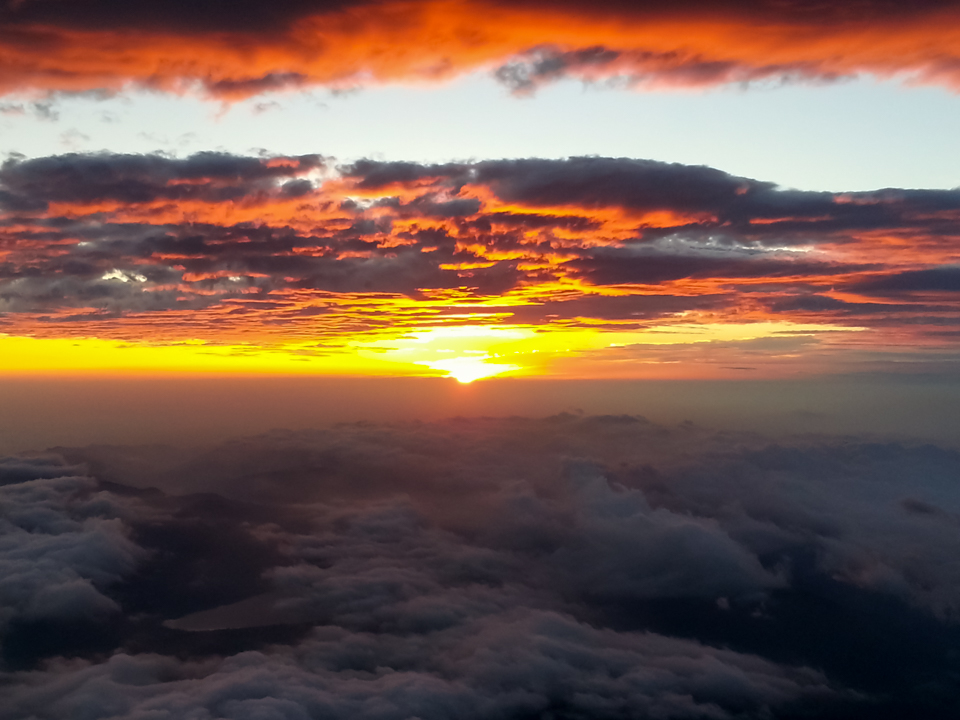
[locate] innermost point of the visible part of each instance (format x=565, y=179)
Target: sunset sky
x=693, y=190
x=479, y=359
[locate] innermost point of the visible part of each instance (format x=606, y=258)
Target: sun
x=463, y=352
x=467, y=369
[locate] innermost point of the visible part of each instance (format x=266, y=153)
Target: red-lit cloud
x=245, y=249
x=235, y=50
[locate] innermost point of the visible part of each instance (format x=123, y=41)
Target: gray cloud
x=116, y=246
x=218, y=177
x=941, y=279
x=597, y=567
x=519, y=664
x=62, y=543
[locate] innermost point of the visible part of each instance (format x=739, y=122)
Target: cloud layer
x=223, y=248
x=600, y=567
x=247, y=48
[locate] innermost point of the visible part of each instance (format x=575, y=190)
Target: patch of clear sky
x=855, y=135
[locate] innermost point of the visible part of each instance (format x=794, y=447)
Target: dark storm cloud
x=599, y=567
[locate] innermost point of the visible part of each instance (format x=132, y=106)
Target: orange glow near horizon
x=465, y=353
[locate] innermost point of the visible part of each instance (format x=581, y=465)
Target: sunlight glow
x=467, y=369
x=463, y=352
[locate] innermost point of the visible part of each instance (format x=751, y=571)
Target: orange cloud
x=248, y=49
x=245, y=257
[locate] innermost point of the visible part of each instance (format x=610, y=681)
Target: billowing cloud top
x=266, y=251
x=569, y=567
x=238, y=49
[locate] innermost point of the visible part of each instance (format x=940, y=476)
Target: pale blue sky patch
x=847, y=136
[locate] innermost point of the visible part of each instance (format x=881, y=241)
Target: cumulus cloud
x=521, y=664
x=62, y=543
x=574, y=566
x=617, y=521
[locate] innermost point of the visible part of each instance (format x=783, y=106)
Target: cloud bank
x=220, y=248
x=599, y=567
x=249, y=48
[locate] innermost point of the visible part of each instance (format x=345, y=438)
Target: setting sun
x=479, y=359
x=468, y=369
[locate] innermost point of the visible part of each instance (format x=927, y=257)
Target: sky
x=475, y=360
x=471, y=190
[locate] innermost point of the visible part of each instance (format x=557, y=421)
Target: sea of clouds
x=565, y=567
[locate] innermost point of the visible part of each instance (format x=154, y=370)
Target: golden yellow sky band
x=466, y=352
